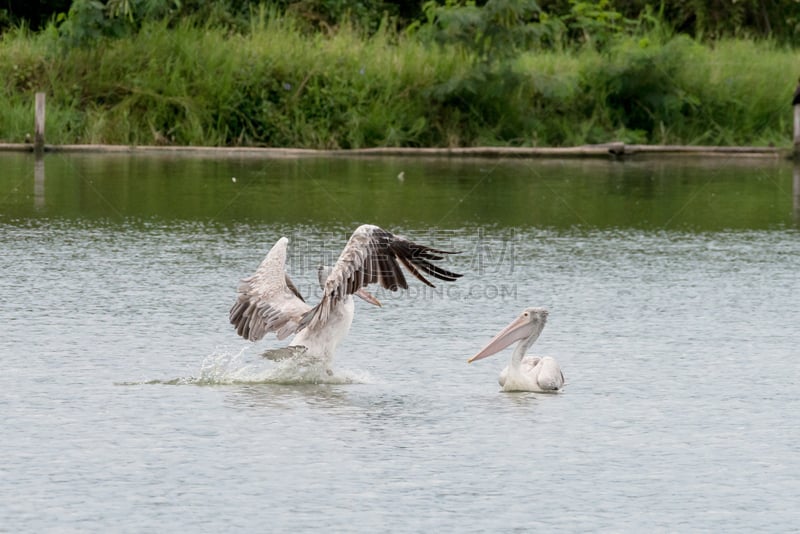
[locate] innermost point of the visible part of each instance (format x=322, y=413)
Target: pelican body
x=524, y=373
x=268, y=301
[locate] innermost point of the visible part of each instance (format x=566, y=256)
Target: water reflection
x=690, y=194
x=38, y=182
x=796, y=192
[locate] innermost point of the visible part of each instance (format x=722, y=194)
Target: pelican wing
x=545, y=371
x=549, y=375
x=528, y=364
x=268, y=301
x=373, y=256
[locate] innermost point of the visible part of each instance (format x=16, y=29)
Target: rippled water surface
x=129, y=404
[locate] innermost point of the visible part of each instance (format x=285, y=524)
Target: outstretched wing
x=268, y=301
x=373, y=256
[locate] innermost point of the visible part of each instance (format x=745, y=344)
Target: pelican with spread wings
x=268, y=301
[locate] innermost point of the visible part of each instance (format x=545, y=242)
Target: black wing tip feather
x=411, y=266
x=435, y=254
x=438, y=272
x=417, y=258
x=241, y=319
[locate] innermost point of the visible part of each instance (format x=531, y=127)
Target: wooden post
x=796, y=190
x=38, y=138
x=796, y=129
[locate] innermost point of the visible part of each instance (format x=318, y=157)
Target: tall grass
x=277, y=85
x=673, y=92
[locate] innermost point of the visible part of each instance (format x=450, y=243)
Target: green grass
x=279, y=86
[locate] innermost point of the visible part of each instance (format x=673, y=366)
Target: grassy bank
x=278, y=86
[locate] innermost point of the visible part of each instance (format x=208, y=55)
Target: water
x=129, y=403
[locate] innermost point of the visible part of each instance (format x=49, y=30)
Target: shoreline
x=606, y=150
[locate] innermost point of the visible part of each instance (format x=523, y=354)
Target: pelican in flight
x=268, y=301
x=524, y=373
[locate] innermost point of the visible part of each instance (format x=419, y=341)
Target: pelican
x=524, y=373
x=268, y=301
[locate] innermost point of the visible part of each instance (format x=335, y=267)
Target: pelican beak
x=520, y=328
x=369, y=297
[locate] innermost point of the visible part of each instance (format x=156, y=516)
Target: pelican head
x=323, y=271
x=527, y=326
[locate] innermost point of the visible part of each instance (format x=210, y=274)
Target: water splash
x=242, y=366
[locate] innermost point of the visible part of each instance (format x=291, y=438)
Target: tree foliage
x=584, y=20
x=438, y=73
x=494, y=31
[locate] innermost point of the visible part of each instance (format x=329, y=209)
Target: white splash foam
x=240, y=367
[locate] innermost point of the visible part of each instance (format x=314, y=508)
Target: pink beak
x=366, y=295
x=520, y=328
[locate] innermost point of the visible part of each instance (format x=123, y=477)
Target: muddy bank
x=586, y=151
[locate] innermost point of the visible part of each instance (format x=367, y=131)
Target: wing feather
x=268, y=301
x=374, y=255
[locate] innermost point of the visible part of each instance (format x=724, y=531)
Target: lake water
x=130, y=405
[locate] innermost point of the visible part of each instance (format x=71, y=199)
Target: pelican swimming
x=524, y=373
x=268, y=301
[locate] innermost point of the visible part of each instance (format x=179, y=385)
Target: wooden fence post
x=796, y=130
x=38, y=138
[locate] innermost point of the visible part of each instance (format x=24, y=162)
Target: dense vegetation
x=332, y=73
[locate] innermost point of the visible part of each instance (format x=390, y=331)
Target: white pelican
x=524, y=373
x=268, y=301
